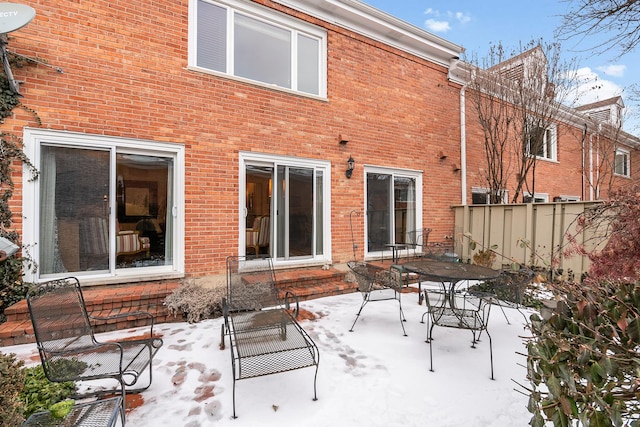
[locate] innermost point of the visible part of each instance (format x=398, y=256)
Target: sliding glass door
x=393, y=207
x=101, y=210
x=284, y=213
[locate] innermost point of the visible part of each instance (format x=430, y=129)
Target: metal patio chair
x=377, y=284
x=68, y=348
x=508, y=289
x=449, y=308
x=264, y=336
x=418, y=240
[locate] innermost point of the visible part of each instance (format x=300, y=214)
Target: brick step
x=314, y=278
x=326, y=289
x=104, y=301
x=101, y=301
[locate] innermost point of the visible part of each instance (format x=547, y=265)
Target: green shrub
x=39, y=394
x=11, y=385
x=583, y=362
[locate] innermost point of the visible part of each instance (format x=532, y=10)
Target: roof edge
x=368, y=21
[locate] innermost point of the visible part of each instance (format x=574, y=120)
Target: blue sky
x=476, y=24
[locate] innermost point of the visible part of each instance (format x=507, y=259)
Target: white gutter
x=463, y=147
x=457, y=75
x=364, y=19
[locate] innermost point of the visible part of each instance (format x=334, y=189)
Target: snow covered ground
x=373, y=376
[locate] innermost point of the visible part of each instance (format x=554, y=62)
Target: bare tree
x=517, y=101
x=488, y=92
x=619, y=20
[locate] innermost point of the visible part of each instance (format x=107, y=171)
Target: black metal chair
x=68, y=348
x=377, y=284
x=418, y=240
x=460, y=310
x=508, y=289
x=263, y=334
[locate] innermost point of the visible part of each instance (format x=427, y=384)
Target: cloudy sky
x=475, y=25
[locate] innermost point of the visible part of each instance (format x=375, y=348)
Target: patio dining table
x=450, y=308
x=448, y=274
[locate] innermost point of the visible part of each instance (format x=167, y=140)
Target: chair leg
x=490, y=353
x=358, y=315
x=233, y=397
x=430, y=339
x=315, y=377
x=503, y=313
x=402, y=319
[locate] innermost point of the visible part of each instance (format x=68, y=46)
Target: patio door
x=393, y=207
x=102, y=209
x=284, y=201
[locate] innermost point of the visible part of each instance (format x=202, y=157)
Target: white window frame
x=35, y=138
x=537, y=197
x=261, y=13
x=553, y=156
x=567, y=198
x=627, y=163
x=486, y=192
x=393, y=172
x=269, y=160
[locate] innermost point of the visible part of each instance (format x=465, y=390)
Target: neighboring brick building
x=223, y=127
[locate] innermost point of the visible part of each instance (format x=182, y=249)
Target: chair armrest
x=134, y=315
x=288, y=296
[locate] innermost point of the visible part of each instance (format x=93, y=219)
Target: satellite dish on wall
x=14, y=16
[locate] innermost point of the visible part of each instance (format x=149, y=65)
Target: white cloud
x=443, y=25
x=462, y=18
x=613, y=70
x=591, y=87
x=437, y=26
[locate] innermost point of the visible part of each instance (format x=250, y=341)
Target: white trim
x=543, y=196
x=356, y=15
x=271, y=17
x=568, y=198
x=33, y=138
x=622, y=152
x=247, y=157
x=394, y=172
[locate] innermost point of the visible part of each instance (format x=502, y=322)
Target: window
x=103, y=206
x=393, y=207
x=258, y=44
x=621, y=166
x=565, y=198
x=286, y=208
x=482, y=196
x=536, y=198
x=542, y=143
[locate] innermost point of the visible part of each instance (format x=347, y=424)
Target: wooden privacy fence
x=532, y=234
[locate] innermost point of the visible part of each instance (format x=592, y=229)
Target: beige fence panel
x=530, y=234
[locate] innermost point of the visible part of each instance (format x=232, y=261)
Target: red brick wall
x=125, y=74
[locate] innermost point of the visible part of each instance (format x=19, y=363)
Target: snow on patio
x=373, y=376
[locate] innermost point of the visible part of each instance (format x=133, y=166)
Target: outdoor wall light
x=350, y=165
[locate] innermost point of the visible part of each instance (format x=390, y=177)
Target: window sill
x=257, y=83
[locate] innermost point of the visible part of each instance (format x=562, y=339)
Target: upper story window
x=542, y=143
x=621, y=166
x=254, y=43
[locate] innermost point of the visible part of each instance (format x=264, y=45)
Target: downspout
x=463, y=147
x=584, y=136
x=456, y=78
x=591, y=167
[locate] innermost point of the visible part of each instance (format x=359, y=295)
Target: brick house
x=180, y=133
